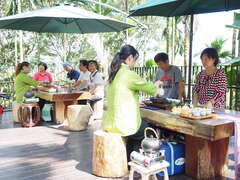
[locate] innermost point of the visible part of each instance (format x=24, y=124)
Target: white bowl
x=203, y=112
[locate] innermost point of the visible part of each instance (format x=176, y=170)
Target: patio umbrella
x=170, y=8
x=62, y=18
x=183, y=7
x=230, y=62
x=236, y=22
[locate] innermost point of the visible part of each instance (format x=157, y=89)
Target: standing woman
x=42, y=75
x=96, y=88
x=123, y=115
x=23, y=82
x=211, y=83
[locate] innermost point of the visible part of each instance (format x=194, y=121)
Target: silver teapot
x=29, y=94
x=151, y=145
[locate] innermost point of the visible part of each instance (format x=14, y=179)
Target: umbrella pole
x=190, y=56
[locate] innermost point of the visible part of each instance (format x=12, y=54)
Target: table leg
x=67, y=103
x=205, y=159
x=60, y=110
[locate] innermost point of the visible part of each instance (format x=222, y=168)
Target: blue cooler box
x=175, y=155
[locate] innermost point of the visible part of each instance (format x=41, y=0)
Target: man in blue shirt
x=72, y=74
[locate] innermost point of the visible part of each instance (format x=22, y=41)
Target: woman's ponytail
x=20, y=67
x=115, y=66
x=120, y=58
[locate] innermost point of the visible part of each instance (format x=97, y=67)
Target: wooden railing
x=233, y=90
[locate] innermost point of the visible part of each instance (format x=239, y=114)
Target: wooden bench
x=206, y=140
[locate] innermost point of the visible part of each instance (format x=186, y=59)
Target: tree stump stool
x=109, y=155
x=78, y=117
x=29, y=114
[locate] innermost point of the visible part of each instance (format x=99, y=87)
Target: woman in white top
x=96, y=85
x=96, y=88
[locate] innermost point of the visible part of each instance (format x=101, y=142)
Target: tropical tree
x=173, y=35
x=218, y=44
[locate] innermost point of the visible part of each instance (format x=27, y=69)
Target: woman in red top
x=42, y=75
x=211, y=83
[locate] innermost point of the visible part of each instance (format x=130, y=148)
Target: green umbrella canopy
x=231, y=61
x=62, y=19
x=236, y=23
x=183, y=7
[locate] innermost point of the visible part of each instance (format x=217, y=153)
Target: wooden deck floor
x=50, y=153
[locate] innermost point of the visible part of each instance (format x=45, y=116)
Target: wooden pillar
x=205, y=159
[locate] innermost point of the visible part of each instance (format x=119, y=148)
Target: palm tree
x=218, y=44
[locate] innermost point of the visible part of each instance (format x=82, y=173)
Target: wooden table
x=206, y=140
x=61, y=100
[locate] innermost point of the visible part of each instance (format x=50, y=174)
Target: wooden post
x=205, y=159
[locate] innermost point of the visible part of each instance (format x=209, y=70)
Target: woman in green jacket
x=123, y=114
x=23, y=82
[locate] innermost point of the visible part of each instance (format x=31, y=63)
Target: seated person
x=72, y=73
x=170, y=78
x=84, y=79
x=42, y=75
x=23, y=82
x=96, y=88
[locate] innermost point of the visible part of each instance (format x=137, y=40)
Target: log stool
x=78, y=117
x=109, y=155
x=146, y=172
x=29, y=114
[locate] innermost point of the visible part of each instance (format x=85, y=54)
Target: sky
x=211, y=26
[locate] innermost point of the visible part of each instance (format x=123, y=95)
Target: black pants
x=41, y=103
x=134, y=141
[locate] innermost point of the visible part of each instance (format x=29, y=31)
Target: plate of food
x=193, y=113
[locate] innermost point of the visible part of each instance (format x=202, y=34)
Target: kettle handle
x=148, y=128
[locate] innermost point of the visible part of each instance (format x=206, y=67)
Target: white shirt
x=84, y=76
x=96, y=78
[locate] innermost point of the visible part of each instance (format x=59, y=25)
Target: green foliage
x=218, y=44
x=97, y=8
x=233, y=74
x=150, y=63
